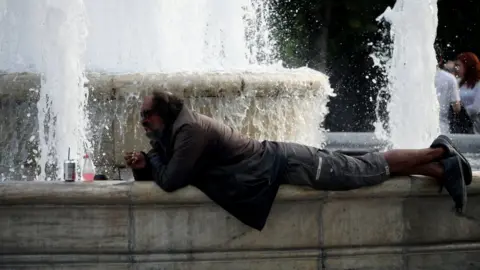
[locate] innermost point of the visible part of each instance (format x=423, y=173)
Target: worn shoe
x=454, y=182
x=451, y=151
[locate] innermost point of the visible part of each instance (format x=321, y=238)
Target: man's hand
x=456, y=107
x=135, y=160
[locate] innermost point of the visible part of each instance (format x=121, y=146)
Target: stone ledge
x=401, y=224
x=245, y=254
x=128, y=192
x=405, y=257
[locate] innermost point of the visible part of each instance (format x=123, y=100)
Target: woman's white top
x=471, y=98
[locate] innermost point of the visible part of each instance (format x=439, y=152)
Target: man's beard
x=155, y=135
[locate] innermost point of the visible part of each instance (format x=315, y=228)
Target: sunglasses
x=146, y=114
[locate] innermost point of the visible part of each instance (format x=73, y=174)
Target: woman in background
x=467, y=67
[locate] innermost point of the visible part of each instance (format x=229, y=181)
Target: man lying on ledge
x=243, y=175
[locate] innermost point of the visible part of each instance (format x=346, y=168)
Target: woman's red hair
x=472, y=68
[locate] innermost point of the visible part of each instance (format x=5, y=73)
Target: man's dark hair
x=167, y=106
x=439, y=54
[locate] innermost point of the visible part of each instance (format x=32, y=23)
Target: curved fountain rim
x=298, y=82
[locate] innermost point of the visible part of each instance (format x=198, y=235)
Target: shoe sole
x=464, y=188
x=463, y=160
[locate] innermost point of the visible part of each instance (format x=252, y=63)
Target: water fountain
x=217, y=60
x=123, y=225
x=52, y=42
x=413, y=106
x=411, y=73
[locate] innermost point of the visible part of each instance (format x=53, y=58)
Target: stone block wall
x=401, y=224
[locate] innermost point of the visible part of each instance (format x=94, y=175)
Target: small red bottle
x=88, y=170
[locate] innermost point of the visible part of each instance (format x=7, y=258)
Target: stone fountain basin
x=401, y=224
x=281, y=105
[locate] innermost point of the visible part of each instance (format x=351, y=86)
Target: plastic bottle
x=88, y=170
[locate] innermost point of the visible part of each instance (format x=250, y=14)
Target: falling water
x=149, y=35
x=413, y=107
x=177, y=35
x=49, y=38
x=61, y=107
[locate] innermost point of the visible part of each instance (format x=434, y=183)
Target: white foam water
x=295, y=116
x=61, y=107
x=413, y=108
x=49, y=37
x=149, y=35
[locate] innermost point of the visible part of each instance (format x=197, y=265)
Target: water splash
x=61, y=107
x=413, y=107
x=150, y=35
x=260, y=42
x=292, y=115
x=177, y=35
x=381, y=57
x=48, y=37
